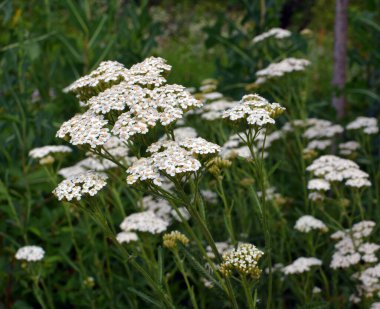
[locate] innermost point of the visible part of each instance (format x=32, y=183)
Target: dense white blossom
x=332, y=168
x=87, y=128
x=146, y=221
x=351, y=247
x=30, y=253
x=348, y=147
x=308, y=223
x=172, y=158
x=126, y=237
x=281, y=68
x=318, y=184
x=75, y=187
x=367, y=124
x=255, y=110
x=301, y=265
x=276, y=33
x=41, y=152
x=243, y=260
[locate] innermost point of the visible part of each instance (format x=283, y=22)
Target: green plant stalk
x=181, y=268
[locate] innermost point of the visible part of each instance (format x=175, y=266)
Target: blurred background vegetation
x=45, y=45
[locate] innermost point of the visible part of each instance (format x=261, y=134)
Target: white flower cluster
x=126, y=237
x=307, y=223
x=369, y=125
x=209, y=196
x=348, y=148
x=138, y=99
x=171, y=158
x=318, y=185
x=334, y=169
x=41, y=152
x=369, y=286
x=281, y=68
x=165, y=104
x=146, y=221
x=30, y=253
x=276, y=33
x=301, y=265
x=256, y=110
x=351, y=248
x=320, y=128
x=87, y=128
x=77, y=186
x=147, y=73
x=243, y=260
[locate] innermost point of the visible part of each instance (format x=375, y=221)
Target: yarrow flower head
x=255, y=110
x=334, y=169
x=172, y=158
x=351, y=247
x=30, y=253
x=368, y=125
x=276, y=33
x=307, y=223
x=146, y=221
x=126, y=237
x=75, y=187
x=281, y=68
x=348, y=147
x=243, y=260
x=42, y=152
x=170, y=239
x=125, y=102
x=301, y=265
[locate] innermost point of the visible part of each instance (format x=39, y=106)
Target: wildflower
x=212, y=96
x=184, y=213
x=77, y=186
x=351, y=248
x=308, y=223
x=369, y=279
x=170, y=239
x=316, y=196
x=42, y=152
x=256, y=110
x=30, y=253
x=367, y=124
x=281, y=68
x=301, y=265
x=87, y=128
x=320, y=128
x=318, y=144
x=146, y=221
x=333, y=168
x=126, y=237
x=172, y=158
x=243, y=260
x=316, y=290
x=318, y=184
x=89, y=282
x=276, y=33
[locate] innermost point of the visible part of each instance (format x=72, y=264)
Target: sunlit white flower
x=318, y=184
x=146, y=221
x=281, y=68
x=41, y=152
x=243, y=260
x=367, y=124
x=301, y=265
x=30, y=253
x=276, y=33
x=308, y=223
x=75, y=187
x=348, y=147
x=126, y=237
